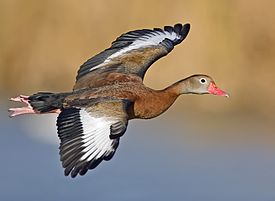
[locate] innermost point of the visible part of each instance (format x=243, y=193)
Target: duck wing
x=90, y=134
x=133, y=52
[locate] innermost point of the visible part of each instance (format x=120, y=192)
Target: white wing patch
x=151, y=39
x=134, y=43
x=95, y=138
x=86, y=139
x=147, y=40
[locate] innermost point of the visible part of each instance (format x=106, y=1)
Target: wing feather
x=89, y=136
x=153, y=44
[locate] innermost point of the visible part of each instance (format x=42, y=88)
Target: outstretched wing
x=135, y=51
x=89, y=136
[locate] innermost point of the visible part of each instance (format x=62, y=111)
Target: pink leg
x=25, y=110
x=21, y=110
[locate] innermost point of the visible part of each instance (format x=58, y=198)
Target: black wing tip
x=185, y=30
x=185, y=26
x=182, y=30
x=81, y=170
x=73, y=168
x=169, y=29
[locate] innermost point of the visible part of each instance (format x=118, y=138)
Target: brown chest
x=152, y=104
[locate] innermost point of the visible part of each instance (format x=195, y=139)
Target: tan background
x=214, y=147
x=43, y=44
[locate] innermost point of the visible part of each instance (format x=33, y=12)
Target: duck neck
x=158, y=101
x=178, y=88
x=168, y=96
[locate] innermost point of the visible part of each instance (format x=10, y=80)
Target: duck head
x=201, y=84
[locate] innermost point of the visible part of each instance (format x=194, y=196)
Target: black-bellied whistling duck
x=108, y=92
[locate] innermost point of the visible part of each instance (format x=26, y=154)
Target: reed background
x=42, y=45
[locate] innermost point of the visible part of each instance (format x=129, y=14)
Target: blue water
x=152, y=163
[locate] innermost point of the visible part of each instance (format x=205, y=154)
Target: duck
x=109, y=92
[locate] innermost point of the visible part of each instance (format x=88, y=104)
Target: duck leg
x=28, y=109
x=21, y=110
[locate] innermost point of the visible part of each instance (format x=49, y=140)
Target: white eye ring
x=203, y=81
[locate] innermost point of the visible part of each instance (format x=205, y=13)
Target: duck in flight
x=108, y=92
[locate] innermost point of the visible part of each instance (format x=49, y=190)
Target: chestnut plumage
x=108, y=92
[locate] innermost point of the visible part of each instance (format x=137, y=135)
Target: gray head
x=200, y=84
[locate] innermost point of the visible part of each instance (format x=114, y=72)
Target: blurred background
x=203, y=148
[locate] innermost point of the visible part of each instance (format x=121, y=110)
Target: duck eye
x=202, y=80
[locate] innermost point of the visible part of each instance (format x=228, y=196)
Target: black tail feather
x=46, y=101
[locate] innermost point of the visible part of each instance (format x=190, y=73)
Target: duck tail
x=44, y=102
